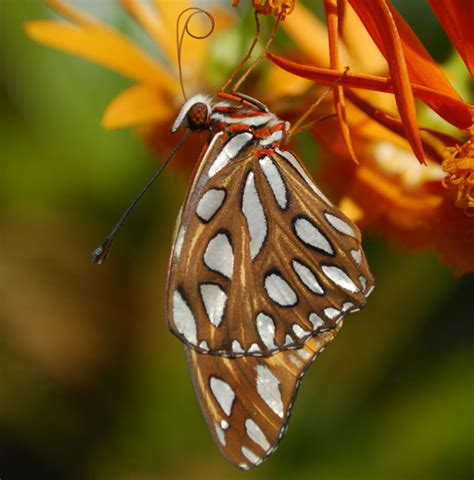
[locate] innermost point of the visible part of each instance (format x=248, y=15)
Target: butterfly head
x=194, y=114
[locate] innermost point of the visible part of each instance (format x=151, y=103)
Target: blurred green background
x=92, y=385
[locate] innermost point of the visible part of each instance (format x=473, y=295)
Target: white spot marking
x=253, y=210
x=219, y=255
x=266, y=330
x=269, y=390
x=223, y=393
x=253, y=348
x=340, y=225
x=224, y=424
x=331, y=313
x=363, y=282
x=279, y=291
x=244, y=466
x=300, y=332
x=295, y=361
x=288, y=341
x=275, y=181
x=296, y=164
x=210, y=203
x=347, y=306
x=231, y=149
x=304, y=354
x=256, y=121
x=236, y=347
x=357, y=256
x=179, y=241
x=256, y=434
x=274, y=137
x=340, y=278
x=250, y=456
x=204, y=346
x=369, y=291
x=220, y=434
x=214, y=299
x=316, y=321
x=311, y=236
x=183, y=318
x=307, y=277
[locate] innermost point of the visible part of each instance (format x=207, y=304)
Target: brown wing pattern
x=247, y=401
x=265, y=261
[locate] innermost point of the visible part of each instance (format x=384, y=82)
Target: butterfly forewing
x=263, y=270
x=262, y=260
x=247, y=401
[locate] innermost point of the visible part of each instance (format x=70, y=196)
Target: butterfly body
x=262, y=272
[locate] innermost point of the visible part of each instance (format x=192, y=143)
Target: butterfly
x=262, y=272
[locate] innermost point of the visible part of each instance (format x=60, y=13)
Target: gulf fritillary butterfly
x=262, y=272
x=263, y=268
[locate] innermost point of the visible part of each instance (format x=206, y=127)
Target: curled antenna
x=181, y=32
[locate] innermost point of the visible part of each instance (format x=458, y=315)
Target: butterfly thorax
x=237, y=114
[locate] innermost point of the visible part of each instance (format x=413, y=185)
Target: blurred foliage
x=92, y=384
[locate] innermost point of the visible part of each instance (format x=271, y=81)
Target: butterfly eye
x=197, y=116
x=194, y=114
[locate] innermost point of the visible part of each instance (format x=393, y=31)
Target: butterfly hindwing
x=247, y=401
x=262, y=260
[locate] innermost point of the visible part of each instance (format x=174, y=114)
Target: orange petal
x=147, y=16
x=393, y=124
x=383, y=29
x=138, y=105
x=72, y=13
x=422, y=69
x=332, y=16
x=457, y=17
x=282, y=84
x=365, y=56
x=306, y=31
x=460, y=111
x=169, y=12
x=104, y=46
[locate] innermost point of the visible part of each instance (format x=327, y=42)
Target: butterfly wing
x=262, y=260
x=247, y=401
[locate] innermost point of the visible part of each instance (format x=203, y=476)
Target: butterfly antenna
x=261, y=56
x=181, y=32
x=297, y=125
x=100, y=254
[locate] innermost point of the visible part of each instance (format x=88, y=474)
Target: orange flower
x=279, y=8
x=459, y=166
x=151, y=102
x=390, y=191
